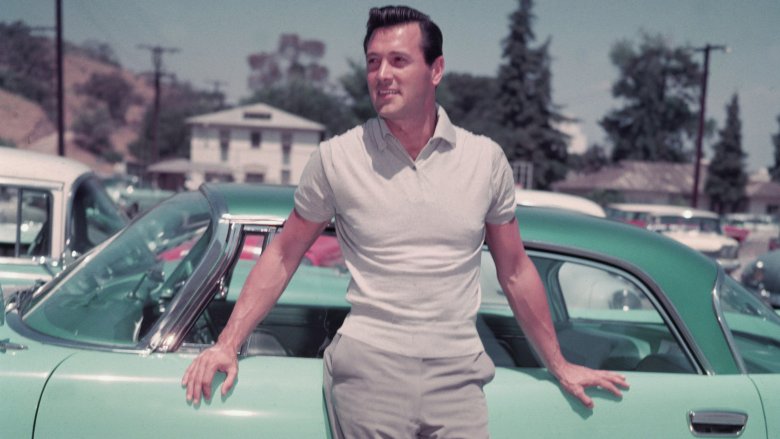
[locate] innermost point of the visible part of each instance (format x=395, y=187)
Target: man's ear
x=437, y=70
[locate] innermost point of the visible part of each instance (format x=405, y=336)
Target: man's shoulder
x=473, y=140
x=352, y=138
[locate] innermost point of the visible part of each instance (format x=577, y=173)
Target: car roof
x=536, y=198
x=24, y=164
x=664, y=209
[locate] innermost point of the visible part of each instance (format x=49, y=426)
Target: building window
x=285, y=176
x=286, y=148
x=224, y=144
x=256, y=138
x=254, y=178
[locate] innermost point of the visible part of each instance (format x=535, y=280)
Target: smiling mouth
x=387, y=92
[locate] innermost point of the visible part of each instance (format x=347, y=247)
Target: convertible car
x=99, y=351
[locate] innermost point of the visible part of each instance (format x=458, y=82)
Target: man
x=414, y=199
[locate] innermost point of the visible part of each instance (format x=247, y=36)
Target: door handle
x=717, y=423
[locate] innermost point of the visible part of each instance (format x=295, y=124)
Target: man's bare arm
x=263, y=286
x=527, y=298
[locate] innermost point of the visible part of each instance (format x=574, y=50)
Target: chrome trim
x=668, y=311
x=717, y=418
x=15, y=322
x=721, y=318
x=252, y=219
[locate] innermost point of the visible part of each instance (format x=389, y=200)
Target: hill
x=25, y=123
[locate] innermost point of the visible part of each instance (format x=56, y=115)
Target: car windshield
x=754, y=326
x=116, y=294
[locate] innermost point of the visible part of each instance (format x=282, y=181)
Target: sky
x=214, y=38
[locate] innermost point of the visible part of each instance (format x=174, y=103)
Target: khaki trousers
x=371, y=393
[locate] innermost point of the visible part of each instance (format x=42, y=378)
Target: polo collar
x=444, y=130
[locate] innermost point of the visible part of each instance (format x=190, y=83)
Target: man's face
x=401, y=84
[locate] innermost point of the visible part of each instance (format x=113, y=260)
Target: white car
x=534, y=198
x=52, y=209
x=696, y=228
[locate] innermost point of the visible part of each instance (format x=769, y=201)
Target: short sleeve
x=314, y=196
x=502, y=204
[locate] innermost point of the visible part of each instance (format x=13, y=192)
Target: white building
x=253, y=143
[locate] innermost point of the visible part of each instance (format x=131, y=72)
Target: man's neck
x=414, y=134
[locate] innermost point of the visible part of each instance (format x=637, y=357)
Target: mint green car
x=99, y=351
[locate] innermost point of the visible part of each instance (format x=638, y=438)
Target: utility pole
x=60, y=85
x=217, y=92
x=702, y=108
x=157, y=53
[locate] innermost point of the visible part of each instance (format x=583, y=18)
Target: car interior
x=604, y=318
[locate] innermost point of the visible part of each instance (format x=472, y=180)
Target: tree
x=660, y=85
x=92, y=129
x=112, y=90
x=774, y=171
x=470, y=102
x=525, y=104
x=307, y=100
x=294, y=60
x=27, y=66
x=355, y=86
x=592, y=160
x=726, y=179
x=178, y=102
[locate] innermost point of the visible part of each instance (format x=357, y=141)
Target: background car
x=132, y=195
x=114, y=333
x=52, y=209
x=762, y=275
x=696, y=228
x=537, y=198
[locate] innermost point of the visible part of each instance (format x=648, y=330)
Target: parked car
x=537, y=198
x=52, y=209
x=112, y=335
x=132, y=195
x=763, y=225
x=762, y=275
x=696, y=228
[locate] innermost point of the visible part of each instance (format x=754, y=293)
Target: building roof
x=256, y=116
x=632, y=175
x=763, y=189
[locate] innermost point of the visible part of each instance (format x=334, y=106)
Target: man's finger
x=229, y=380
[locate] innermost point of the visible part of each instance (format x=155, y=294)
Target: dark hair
x=387, y=16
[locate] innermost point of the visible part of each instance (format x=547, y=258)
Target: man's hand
x=200, y=373
x=575, y=379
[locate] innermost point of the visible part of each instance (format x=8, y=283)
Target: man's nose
x=384, y=72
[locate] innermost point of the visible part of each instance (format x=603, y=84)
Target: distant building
x=254, y=143
x=663, y=183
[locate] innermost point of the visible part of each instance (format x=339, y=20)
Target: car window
x=93, y=216
x=307, y=315
x=115, y=296
x=604, y=318
x=754, y=327
x=25, y=225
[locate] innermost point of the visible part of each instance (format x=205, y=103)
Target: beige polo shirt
x=411, y=231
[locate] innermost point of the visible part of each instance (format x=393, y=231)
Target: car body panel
x=647, y=404
x=24, y=371
x=147, y=392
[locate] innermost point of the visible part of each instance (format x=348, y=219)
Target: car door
x=607, y=319
x=128, y=395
